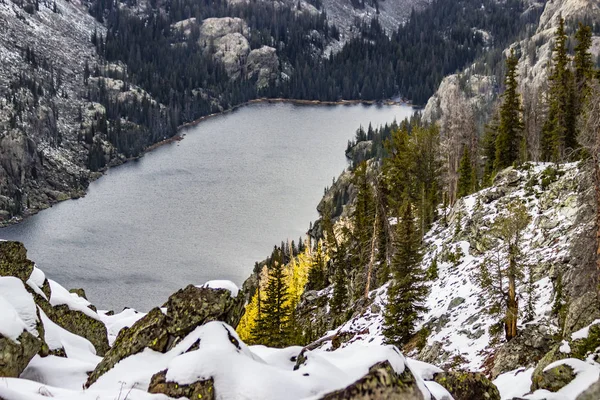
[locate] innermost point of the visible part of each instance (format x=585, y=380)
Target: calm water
x=204, y=208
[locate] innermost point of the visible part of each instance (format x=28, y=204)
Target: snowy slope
x=457, y=320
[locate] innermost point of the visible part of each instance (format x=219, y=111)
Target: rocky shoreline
x=76, y=194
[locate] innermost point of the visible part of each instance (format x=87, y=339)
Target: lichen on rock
x=381, y=382
x=555, y=378
x=13, y=260
x=204, y=389
x=468, y=385
x=15, y=355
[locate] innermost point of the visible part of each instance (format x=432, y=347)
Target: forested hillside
x=91, y=84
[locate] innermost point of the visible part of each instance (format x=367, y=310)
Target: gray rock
x=457, y=301
x=556, y=378
x=581, y=312
x=526, y=349
x=591, y=393
x=468, y=385
x=225, y=39
x=13, y=260
x=553, y=355
x=381, y=382
x=204, y=389
x=15, y=355
x=263, y=65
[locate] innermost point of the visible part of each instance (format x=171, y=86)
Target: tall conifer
x=407, y=290
x=558, y=132
x=273, y=325
x=466, y=176
x=584, y=67
x=510, y=128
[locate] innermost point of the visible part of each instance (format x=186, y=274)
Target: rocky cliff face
x=535, y=53
x=51, y=143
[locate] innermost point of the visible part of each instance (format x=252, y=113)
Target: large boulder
x=78, y=323
x=555, y=378
x=526, y=349
x=160, y=331
x=148, y=332
x=204, y=390
x=581, y=347
x=194, y=306
x=468, y=385
x=381, y=382
x=538, y=373
x=13, y=260
x=16, y=354
x=21, y=333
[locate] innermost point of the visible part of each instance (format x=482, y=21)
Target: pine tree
x=466, y=175
x=397, y=167
x=340, y=281
x=510, y=128
x=273, y=324
x=427, y=167
x=558, y=132
x=316, y=273
x=489, y=149
x=584, y=68
x=407, y=290
x=363, y=219
x=432, y=271
x=532, y=297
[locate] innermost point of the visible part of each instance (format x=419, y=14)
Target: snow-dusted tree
x=499, y=275
x=407, y=290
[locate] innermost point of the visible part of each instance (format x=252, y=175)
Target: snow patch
x=223, y=284
x=17, y=309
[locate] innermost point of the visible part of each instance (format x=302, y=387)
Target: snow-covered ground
x=238, y=371
x=457, y=318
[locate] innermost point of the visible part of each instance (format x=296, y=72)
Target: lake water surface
x=204, y=208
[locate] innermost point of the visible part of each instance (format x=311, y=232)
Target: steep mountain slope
x=41, y=156
x=535, y=53
x=53, y=127
x=556, y=294
x=345, y=14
